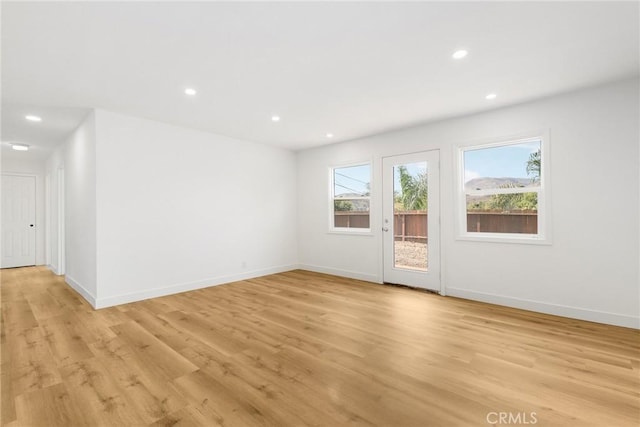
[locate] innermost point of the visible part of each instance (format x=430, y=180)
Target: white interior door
x=411, y=220
x=18, y=221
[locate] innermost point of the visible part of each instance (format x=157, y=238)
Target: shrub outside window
x=350, y=198
x=503, y=191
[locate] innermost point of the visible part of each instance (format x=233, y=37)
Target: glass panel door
x=411, y=223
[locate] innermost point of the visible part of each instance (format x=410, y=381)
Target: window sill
x=352, y=232
x=526, y=239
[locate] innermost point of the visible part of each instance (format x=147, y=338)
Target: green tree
x=342, y=205
x=533, y=165
x=509, y=202
x=414, y=190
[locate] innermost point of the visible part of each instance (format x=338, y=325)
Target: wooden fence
x=522, y=222
x=412, y=225
x=350, y=219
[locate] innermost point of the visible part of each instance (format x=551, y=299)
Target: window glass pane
x=350, y=213
x=503, y=202
x=352, y=181
x=507, y=166
x=503, y=213
x=410, y=194
x=351, y=192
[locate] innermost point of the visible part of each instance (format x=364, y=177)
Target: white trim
x=513, y=190
x=544, y=235
x=81, y=290
x=53, y=269
x=352, y=197
x=548, y=308
x=529, y=239
x=353, y=231
x=332, y=198
x=61, y=261
x=20, y=174
x=47, y=220
x=504, y=141
x=188, y=286
x=342, y=273
x=512, y=238
x=523, y=304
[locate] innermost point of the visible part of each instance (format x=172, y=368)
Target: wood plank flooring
x=304, y=349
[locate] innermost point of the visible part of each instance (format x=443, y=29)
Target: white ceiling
x=352, y=69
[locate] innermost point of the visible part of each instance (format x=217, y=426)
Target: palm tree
x=533, y=165
x=414, y=190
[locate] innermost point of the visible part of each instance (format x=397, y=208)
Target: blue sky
x=509, y=161
x=353, y=179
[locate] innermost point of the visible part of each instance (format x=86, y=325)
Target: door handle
x=30, y=225
x=385, y=229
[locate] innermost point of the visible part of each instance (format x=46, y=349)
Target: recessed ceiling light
x=275, y=118
x=491, y=96
x=33, y=118
x=20, y=147
x=190, y=91
x=459, y=54
x=329, y=135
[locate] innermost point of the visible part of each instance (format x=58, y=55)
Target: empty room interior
x=320, y=213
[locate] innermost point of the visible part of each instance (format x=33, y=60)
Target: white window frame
x=543, y=237
x=347, y=230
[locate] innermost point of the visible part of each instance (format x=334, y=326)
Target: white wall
x=80, y=207
x=22, y=163
x=52, y=164
x=77, y=157
x=591, y=269
x=179, y=209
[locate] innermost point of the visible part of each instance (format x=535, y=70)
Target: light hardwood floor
x=302, y=348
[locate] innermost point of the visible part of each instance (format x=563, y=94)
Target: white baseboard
x=188, y=286
x=80, y=289
x=537, y=306
x=343, y=273
x=543, y=307
x=53, y=269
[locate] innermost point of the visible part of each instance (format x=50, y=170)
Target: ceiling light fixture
x=275, y=118
x=329, y=135
x=491, y=96
x=190, y=91
x=20, y=147
x=33, y=118
x=459, y=54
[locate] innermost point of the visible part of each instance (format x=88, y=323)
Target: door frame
x=380, y=220
x=47, y=220
x=61, y=224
